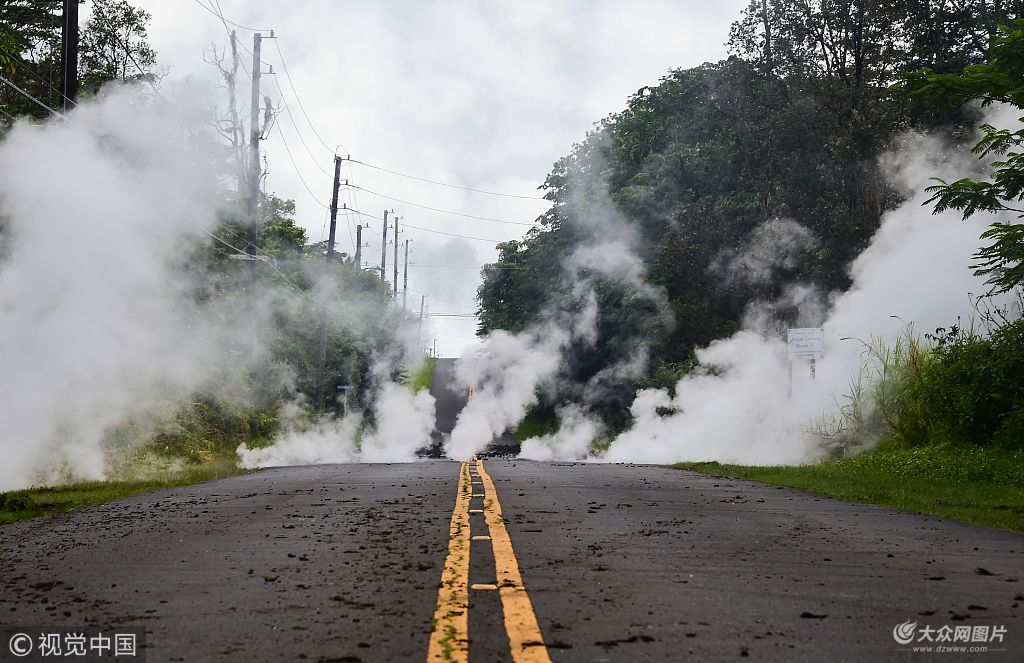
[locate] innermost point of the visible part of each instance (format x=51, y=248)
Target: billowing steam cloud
x=916, y=271
x=506, y=373
x=102, y=216
x=738, y=408
x=403, y=427
x=97, y=211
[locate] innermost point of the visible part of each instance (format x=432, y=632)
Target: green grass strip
x=973, y=485
x=34, y=502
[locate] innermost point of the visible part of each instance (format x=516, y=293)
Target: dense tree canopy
x=790, y=127
x=999, y=80
x=113, y=46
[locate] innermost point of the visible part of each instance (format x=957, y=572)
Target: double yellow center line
x=449, y=639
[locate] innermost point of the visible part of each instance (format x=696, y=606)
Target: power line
x=144, y=73
x=441, y=232
x=18, y=60
x=429, y=230
x=487, y=267
x=298, y=99
x=269, y=263
x=221, y=17
x=299, y=174
x=450, y=301
x=442, y=211
x=295, y=126
x=30, y=97
x=451, y=186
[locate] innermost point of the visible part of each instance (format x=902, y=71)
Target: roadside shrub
x=973, y=391
x=955, y=387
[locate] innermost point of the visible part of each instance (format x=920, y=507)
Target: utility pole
x=254, y=146
x=359, y=247
x=395, y=284
x=384, y=247
x=321, y=359
x=334, y=208
x=419, y=331
x=69, y=56
x=405, y=279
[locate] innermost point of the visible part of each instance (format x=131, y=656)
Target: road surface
x=584, y=562
x=449, y=401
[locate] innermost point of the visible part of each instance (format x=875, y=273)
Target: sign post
x=805, y=343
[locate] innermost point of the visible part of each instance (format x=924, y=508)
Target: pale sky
x=486, y=94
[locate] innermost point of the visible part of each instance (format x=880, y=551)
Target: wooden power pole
x=359, y=247
x=405, y=278
x=321, y=359
x=69, y=56
x=384, y=247
x=252, y=200
x=395, y=284
x=334, y=208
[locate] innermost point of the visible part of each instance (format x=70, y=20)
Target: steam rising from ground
x=103, y=218
x=96, y=212
x=506, y=373
x=916, y=272
x=404, y=427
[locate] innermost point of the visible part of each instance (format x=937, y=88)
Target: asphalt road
x=448, y=401
x=620, y=563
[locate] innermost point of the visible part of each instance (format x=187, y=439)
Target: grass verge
x=34, y=502
x=423, y=376
x=971, y=484
x=534, y=426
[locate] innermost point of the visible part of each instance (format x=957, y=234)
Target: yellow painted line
x=524, y=637
x=449, y=640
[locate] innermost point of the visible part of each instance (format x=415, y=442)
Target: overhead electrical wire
x=351, y=188
x=451, y=186
x=28, y=96
x=291, y=83
x=221, y=17
x=295, y=125
x=441, y=232
x=487, y=267
x=37, y=75
x=450, y=301
x=429, y=230
x=299, y=174
x=436, y=209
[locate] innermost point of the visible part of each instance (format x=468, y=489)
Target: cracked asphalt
x=621, y=562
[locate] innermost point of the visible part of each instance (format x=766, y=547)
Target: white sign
x=806, y=343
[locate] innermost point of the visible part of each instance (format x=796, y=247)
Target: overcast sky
x=485, y=94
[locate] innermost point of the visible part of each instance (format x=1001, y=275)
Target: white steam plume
x=96, y=212
x=108, y=317
x=504, y=377
x=403, y=426
x=507, y=372
x=915, y=271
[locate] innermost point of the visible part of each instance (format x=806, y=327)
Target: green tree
x=999, y=80
x=114, y=46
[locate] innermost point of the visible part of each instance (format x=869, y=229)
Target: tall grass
x=955, y=387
